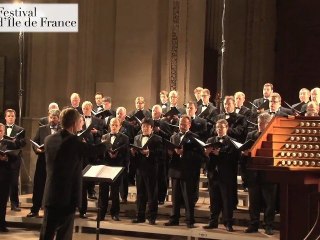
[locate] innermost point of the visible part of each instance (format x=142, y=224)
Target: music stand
x=101, y=173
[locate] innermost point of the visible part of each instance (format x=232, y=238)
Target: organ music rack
x=289, y=153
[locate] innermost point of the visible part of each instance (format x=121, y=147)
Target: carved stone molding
x=174, y=45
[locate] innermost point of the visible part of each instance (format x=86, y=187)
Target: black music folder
x=101, y=173
x=37, y=145
x=172, y=112
x=242, y=146
x=102, y=114
x=206, y=145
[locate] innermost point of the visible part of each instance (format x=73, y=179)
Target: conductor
x=64, y=153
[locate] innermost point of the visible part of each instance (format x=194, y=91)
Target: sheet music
x=94, y=171
x=109, y=172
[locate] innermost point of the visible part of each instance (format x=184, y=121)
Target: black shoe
x=229, y=228
x=210, y=226
x=33, y=214
x=15, y=208
x=138, y=220
x=92, y=196
x=190, y=225
x=269, y=231
x=152, y=222
x=4, y=229
x=115, y=218
x=251, y=229
x=83, y=215
x=171, y=223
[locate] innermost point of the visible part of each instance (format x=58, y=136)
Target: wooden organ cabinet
x=289, y=153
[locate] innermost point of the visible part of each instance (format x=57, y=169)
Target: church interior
x=130, y=48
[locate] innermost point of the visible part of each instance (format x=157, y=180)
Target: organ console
x=288, y=151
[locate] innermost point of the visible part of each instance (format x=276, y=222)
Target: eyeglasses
x=274, y=101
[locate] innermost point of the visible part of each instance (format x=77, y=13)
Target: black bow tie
x=9, y=126
x=146, y=136
x=87, y=116
x=53, y=127
x=203, y=105
x=220, y=138
x=272, y=112
x=237, y=108
x=181, y=134
x=113, y=135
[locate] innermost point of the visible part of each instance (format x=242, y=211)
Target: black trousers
x=84, y=199
x=4, y=193
x=59, y=222
x=124, y=185
x=39, y=182
x=221, y=199
x=259, y=193
x=162, y=182
x=183, y=192
x=147, y=192
x=14, y=183
x=110, y=191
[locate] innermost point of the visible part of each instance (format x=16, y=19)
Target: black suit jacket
x=245, y=112
x=64, y=154
x=20, y=143
x=5, y=166
x=128, y=129
x=188, y=165
x=199, y=127
x=95, y=138
x=148, y=165
x=42, y=133
x=123, y=156
x=43, y=121
x=223, y=167
x=258, y=102
x=210, y=113
x=237, y=126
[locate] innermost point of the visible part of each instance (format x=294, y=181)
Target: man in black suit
x=17, y=132
x=267, y=91
x=260, y=190
x=75, y=102
x=147, y=174
x=173, y=100
x=198, y=127
x=64, y=153
x=197, y=94
x=207, y=110
x=164, y=103
x=40, y=172
x=162, y=129
x=118, y=141
x=128, y=130
x=184, y=170
x=5, y=172
x=312, y=109
x=222, y=176
x=315, y=96
x=93, y=137
x=237, y=124
x=44, y=120
x=304, y=97
x=239, y=98
x=140, y=112
x=98, y=97
x=109, y=114
x=275, y=108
